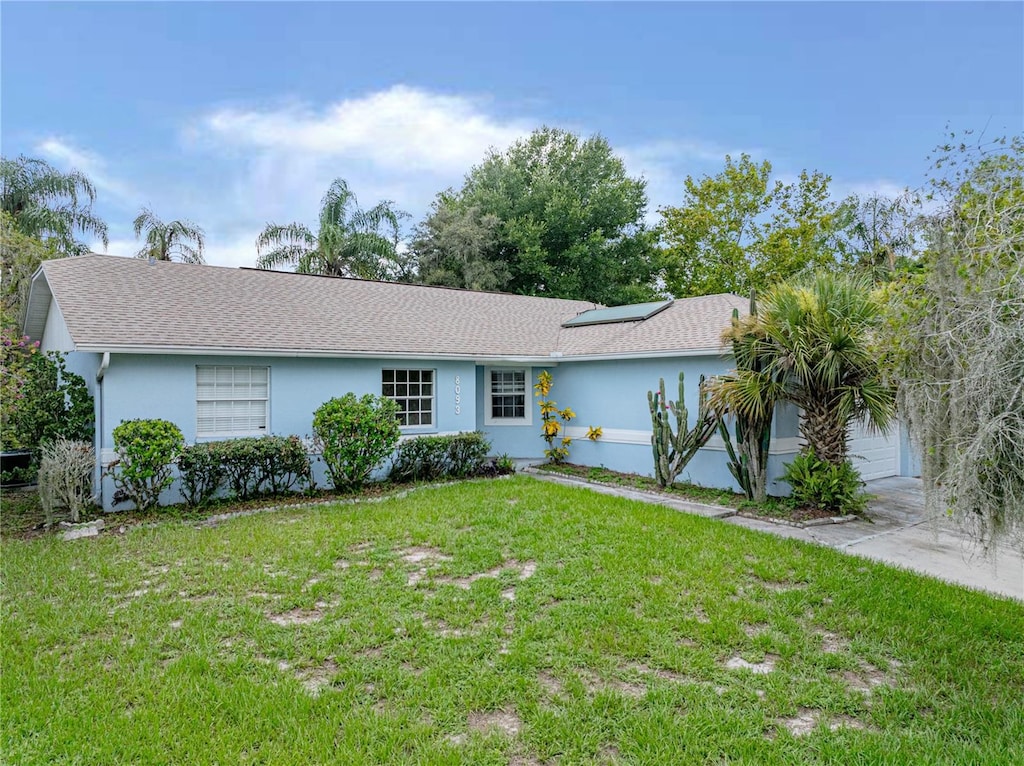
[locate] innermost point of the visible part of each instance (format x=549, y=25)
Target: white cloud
x=401, y=129
x=70, y=157
x=242, y=167
x=222, y=249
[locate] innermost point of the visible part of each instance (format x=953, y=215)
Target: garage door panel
x=873, y=454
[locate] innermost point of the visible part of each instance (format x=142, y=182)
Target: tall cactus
x=673, y=449
x=748, y=459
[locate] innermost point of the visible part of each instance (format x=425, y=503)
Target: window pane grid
x=413, y=391
x=231, y=399
x=508, y=394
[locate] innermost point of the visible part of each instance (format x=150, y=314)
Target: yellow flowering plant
x=553, y=420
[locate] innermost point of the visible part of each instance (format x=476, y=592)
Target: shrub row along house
x=225, y=352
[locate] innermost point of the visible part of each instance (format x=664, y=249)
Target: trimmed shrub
x=146, y=451
x=65, y=477
x=201, y=472
x=354, y=435
x=819, y=484
x=250, y=466
x=283, y=463
x=433, y=457
x=240, y=460
x=264, y=464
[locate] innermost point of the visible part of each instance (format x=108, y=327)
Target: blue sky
x=235, y=114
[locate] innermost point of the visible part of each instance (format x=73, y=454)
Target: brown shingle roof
x=126, y=303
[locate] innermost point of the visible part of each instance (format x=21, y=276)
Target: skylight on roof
x=635, y=312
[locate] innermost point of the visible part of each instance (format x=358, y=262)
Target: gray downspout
x=104, y=364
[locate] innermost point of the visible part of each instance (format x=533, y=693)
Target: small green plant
x=553, y=420
x=504, y=465
x=821, y=485
x=354, y=435
x=146, y=451
x=18, y=475
x=424, y=458
x=673, y=450
x=594, y=433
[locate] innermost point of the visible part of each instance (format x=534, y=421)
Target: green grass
x=295, y=637
x=636, y=481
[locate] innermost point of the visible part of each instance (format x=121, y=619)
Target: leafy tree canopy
x=49, y=205
x=884, y=238
x=742, y=230
x=349, y=241
x=20, y=256
x=554, y=215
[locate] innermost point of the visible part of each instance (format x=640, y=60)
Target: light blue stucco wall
x=164, y=386
x=518, y=441
x=609, y=394
x=613, y=395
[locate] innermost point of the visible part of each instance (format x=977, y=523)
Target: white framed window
x=232, y=401
x=413, y=390
x=507, y=396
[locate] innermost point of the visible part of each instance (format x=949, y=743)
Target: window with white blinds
x=232, y=400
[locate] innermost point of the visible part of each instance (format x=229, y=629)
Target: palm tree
x=349, y=241
x=49, y=205
x=164, y=240
x=811, y=345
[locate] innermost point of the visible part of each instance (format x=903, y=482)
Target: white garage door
x=875, y=455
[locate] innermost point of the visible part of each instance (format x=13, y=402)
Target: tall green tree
x=741, y=230
x=166, y=240
x=49, y=205
x=955, y=339
x=811, y=343
x=349, y=241
x=554, y=215
x=20, y=256
x=454, y=247
x=884, y=235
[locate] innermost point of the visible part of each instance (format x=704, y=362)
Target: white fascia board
x=618, y=357
x=308, y=353
x=537, y=361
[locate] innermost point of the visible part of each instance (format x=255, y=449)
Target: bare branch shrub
x=65, y=477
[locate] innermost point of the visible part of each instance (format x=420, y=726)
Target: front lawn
x=497, y=622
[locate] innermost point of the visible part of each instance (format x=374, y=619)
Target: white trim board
x=786, y=446
x=497, y=359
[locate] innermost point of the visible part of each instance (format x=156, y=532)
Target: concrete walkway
x=898, y=533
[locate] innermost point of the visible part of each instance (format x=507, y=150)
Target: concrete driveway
x=899, y=533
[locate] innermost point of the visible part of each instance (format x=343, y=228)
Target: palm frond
x=284, y=255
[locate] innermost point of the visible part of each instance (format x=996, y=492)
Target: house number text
x=458, y=395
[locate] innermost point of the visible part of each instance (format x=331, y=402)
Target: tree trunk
x=754, y=448
x=825, y=432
